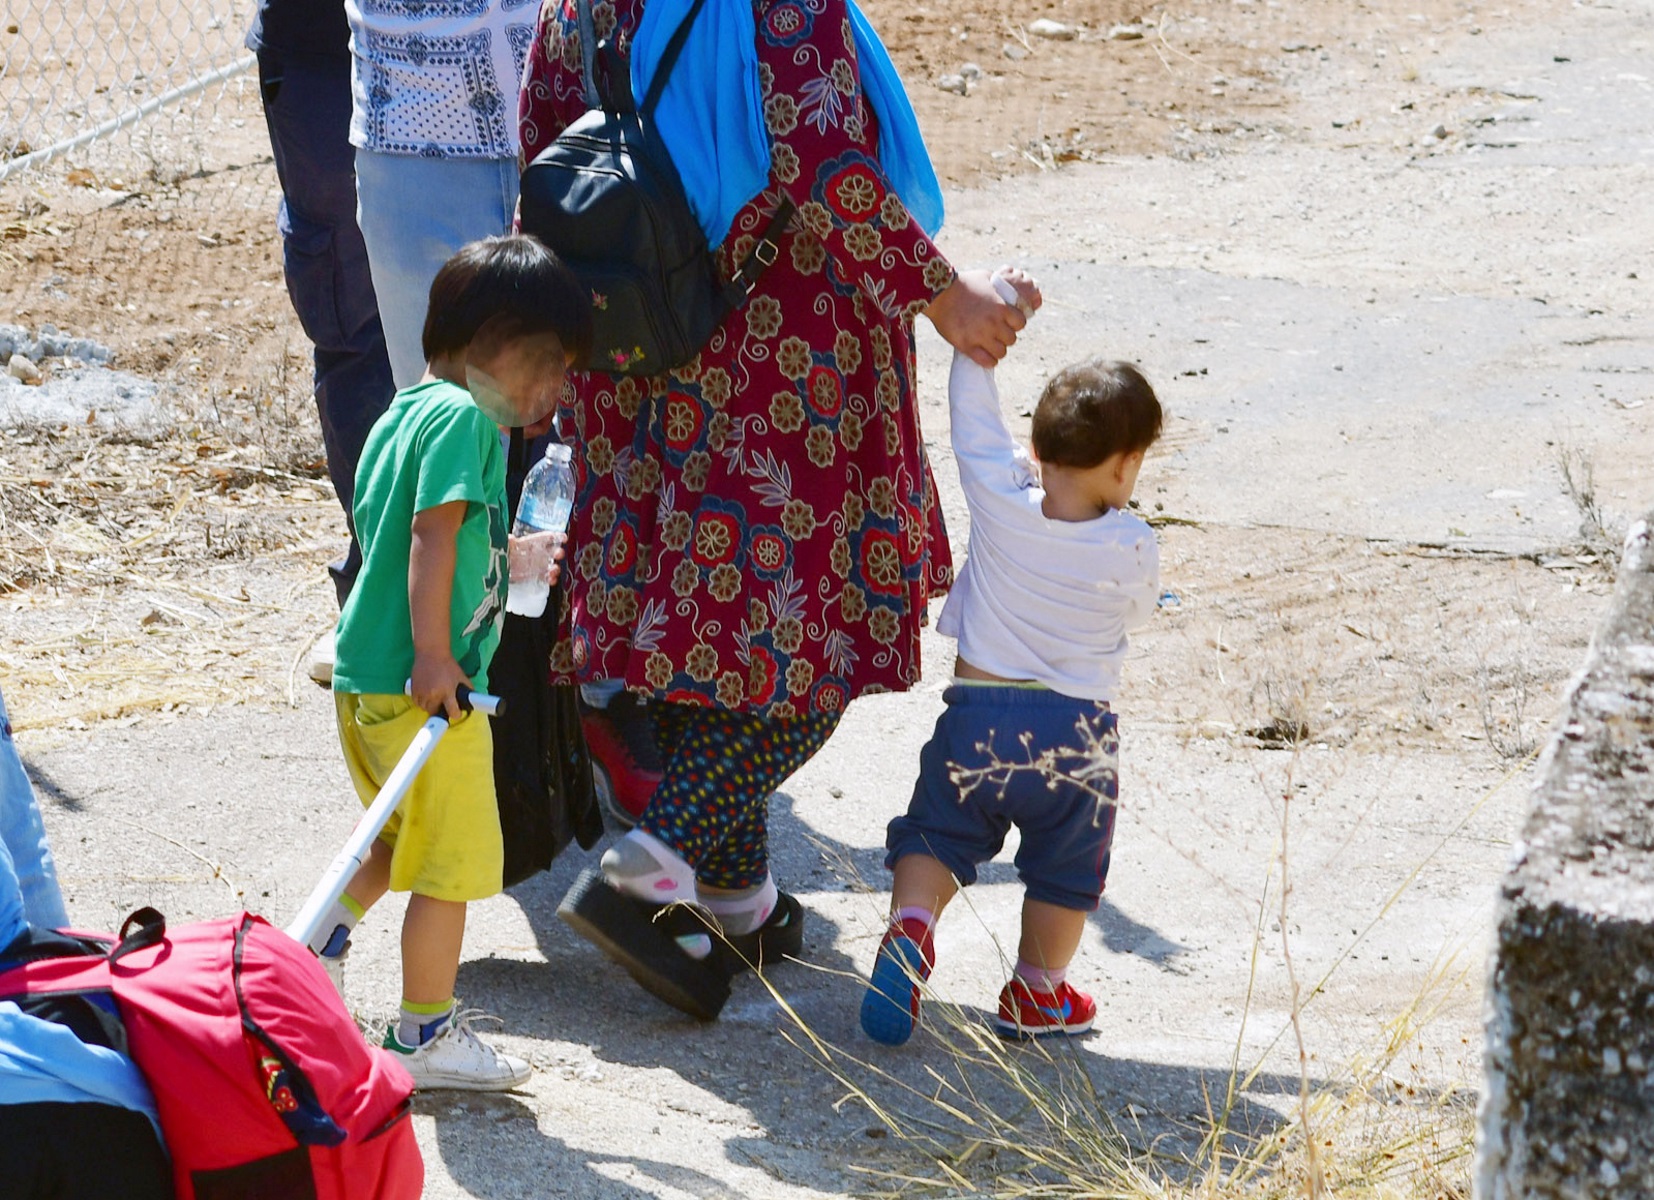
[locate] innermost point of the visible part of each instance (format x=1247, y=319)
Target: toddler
x=1058, y=571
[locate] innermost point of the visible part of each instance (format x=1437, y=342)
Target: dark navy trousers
x=307, y=109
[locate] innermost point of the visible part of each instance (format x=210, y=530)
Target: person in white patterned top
x=434, y=87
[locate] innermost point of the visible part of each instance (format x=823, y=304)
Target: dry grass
x=1028, y=1121
x=175, y=568
x=1600, y=531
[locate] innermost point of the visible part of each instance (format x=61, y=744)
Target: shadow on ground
x=751, y=1059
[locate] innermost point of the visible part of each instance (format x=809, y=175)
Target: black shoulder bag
x=607, y=199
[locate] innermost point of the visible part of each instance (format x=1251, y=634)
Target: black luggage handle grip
x=144, y=928
x=470, y=700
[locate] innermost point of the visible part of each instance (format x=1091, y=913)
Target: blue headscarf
x=712, y=103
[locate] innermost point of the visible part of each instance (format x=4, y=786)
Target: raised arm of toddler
x=986, y=452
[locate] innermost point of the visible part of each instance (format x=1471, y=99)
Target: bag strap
x=144, y=928
x=35, y=945
x=762, y=258
x=588, y=53
x=669, y=58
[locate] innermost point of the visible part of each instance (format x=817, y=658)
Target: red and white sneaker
x=1025, y=1013
x=626, y=766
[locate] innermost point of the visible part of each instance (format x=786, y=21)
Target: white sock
x=643, y=866
x=744, y=911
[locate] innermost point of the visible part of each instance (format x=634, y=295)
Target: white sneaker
x=455, y=1058
x=320, y=660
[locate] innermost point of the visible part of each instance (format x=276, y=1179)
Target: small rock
x=954, y=83
x=971, y=72
x=1439, y=132
x=1610, y=1061
x=1045, y=27
x=1295, y=47
x=1125, y=33
x=22, y=370
x=1015, y=53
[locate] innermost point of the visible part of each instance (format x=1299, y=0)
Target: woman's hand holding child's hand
x=1029, y=297
x=976, y=321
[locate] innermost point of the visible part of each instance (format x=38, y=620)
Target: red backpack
x=264, y=1085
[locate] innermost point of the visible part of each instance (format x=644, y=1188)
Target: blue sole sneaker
x=890, y=1007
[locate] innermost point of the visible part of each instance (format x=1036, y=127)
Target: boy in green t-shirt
x=505, y=319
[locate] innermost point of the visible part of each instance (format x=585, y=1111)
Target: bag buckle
x=766, y=252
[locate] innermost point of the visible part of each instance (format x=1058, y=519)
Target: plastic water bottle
x=548, y=499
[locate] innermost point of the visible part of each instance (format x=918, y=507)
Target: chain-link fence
x=137, y=194
x=103, y=80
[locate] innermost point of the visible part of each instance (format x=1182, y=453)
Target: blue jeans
x=307, y=110
x=24, y=838
x=414, y=213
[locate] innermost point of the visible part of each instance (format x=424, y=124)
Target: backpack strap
x=763, y=256
x=669, y=58
x=33, y=945
x=87, y=1011
x=588, y=53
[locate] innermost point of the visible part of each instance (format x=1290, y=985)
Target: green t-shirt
x=432, y=446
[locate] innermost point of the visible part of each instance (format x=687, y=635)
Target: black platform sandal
x=642, y=938
x=780, y=937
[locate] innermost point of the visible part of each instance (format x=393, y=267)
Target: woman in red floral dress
x=756, y=534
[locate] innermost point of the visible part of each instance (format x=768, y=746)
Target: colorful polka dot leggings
x=718, y=770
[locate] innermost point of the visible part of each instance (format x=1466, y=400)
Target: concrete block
x=1568, y=1109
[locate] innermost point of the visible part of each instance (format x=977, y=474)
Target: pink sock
x=1038, y=978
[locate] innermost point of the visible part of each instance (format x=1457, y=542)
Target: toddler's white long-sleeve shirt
x=1043, y=600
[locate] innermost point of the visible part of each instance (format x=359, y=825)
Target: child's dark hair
x=513, y=284
x=1093, y=410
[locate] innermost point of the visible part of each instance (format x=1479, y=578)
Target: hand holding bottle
x=540, y=530
x=537, y=557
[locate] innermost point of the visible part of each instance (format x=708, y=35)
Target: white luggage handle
x=349, y=860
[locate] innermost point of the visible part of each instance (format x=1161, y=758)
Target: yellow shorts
x=445, y=835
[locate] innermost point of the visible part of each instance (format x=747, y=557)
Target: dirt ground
x=225, y=508
x=1386, y=264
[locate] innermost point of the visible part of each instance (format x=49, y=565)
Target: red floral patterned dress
x=759, y=528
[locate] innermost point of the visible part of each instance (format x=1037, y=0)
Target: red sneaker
x=1025, y=1013
x=626, y=766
